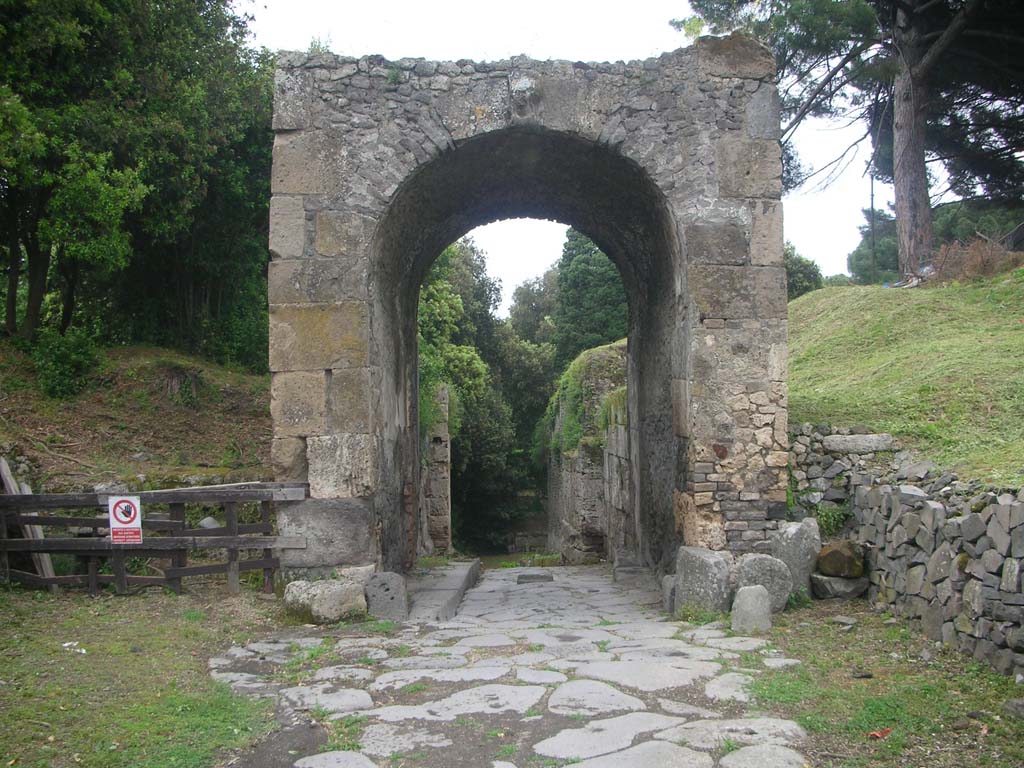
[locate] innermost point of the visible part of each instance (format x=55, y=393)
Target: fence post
x=179, y=558
x=231, y=523
x=268, y=573
x=120, y=573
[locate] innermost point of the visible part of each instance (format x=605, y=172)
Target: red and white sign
x=125, y=519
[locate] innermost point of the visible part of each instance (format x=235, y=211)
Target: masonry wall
x=942, y=552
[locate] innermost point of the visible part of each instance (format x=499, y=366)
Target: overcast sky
x=822, y=224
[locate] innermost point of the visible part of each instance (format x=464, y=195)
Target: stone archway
x=671, y=165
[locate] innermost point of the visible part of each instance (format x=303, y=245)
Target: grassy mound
x=942, y=368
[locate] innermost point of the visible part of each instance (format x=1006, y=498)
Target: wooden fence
x=166, y=535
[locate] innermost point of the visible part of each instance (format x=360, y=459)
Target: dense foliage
x=953, y=222
x=802, y=274
x=590, y=306
x=134, y=173
x=500, y=373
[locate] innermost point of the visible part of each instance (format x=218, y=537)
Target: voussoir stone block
x=769, y=572
x=307, y=337
x=702, y=579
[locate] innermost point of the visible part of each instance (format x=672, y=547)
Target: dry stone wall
x=944, y=553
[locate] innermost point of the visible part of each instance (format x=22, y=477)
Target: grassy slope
x=942, y=368
x=140, y=694
x=126, y=422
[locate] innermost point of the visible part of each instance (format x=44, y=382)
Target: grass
x=140, y=695
x=700, y=616
x=344, y=734
x=939, y=367
x=943, y=713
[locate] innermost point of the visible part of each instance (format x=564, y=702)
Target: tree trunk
x=67, y=299
x=910, y=175
x=13, y=278
x=38, y=268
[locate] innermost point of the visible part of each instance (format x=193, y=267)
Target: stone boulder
x=752, y=610
x=386, y=596
x=327, y=601
x=702, y=579
x=843, y=558
x=829, y=587
x=798, y=545
x=770, y=572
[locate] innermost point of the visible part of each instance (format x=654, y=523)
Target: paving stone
x=683, y=709
x=404, y=677
x=427, y=662
x=763, y=756
x=385, y=739
x=651, y=754
x=711, y=734
x=600, y=737
x=485, y=641
x=328, y=697
x=483, y=700
x=650, y=676
x=739, y=644
x=336, y=760
x=590, y=697
x=342, y=673
x=731, y=686
x=539, y=676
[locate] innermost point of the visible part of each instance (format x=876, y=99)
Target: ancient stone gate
x=671, y=165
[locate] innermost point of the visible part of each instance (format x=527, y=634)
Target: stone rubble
x=645, y=692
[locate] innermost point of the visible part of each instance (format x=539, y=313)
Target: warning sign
x=125, y=519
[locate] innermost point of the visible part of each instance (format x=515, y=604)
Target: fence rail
x=167, y=535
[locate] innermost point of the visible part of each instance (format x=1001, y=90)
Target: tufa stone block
x=318, y=336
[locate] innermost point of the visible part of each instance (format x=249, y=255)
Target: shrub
x=63, y=363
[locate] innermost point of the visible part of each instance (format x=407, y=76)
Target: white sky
x=822, y=224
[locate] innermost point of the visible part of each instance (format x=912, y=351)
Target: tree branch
x=822, y=85
x=956, y=26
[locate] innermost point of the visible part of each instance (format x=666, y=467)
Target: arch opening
x=540, y=174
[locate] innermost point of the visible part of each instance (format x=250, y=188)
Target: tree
x=591, y=307
x=876, y=257
x=802, y=275
x=951, y=222
x=932, y=80
x=134, y=174
x=534, y=303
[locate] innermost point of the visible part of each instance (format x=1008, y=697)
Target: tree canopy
x=931, y=81
x=134, y=172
